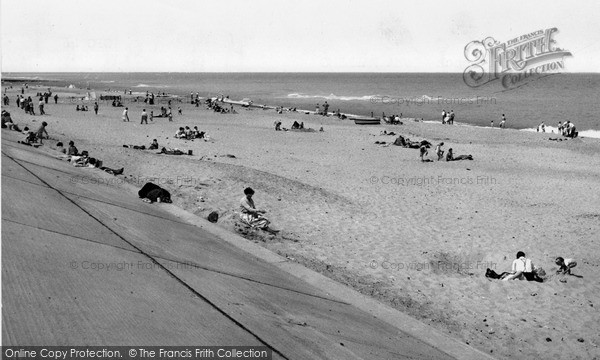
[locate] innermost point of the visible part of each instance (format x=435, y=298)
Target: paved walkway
x=85, y=262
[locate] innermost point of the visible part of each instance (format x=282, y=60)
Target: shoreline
x=114, y=88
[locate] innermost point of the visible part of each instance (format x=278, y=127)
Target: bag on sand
x=213, y=217
x=154, y=192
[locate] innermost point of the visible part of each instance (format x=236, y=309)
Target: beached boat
x=244, y=102
x=366, y=120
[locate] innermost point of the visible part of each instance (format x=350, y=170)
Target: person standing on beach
x=451, y=121
x=144, y=117
x=325, y=108
x=41, y=131
x=126, y=114
x=96, y=107
x=41, y=106
x=443, y=116
x=56, y=98
x=170, y=114
x=503, y=122
x=492, y=123
x=317, y=109
x=438, y=151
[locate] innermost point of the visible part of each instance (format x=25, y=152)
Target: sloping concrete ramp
x=85, y=262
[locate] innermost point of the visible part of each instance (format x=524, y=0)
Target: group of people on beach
x=522, y=268
x=190, y=134
x=83, y=159
x=502, y=122
x=447, y=117
x=324, y=112
x=439, y=152
x=27, y=104
x=213, y=104
x=567, y=129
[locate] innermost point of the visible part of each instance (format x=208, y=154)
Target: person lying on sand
x=251, y=215
x=522, y=267
x=92, y=162
x=450, y=156
x=137, y=147
x=565, y=265
x=170, y=151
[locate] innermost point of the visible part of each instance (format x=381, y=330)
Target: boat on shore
x=366, y=120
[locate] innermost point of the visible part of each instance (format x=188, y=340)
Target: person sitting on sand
x=251, y=215
x=565, y=265
x=180, y=134
x=423, y=152
x=30, y=138
x=197, y=134
x=517, y=268
x=7, y=120
x=438, y=151
x=77, y=108
x=72, y=150
x=522, y=268
x=295, y=125
x=277, y=125
x=154, y=145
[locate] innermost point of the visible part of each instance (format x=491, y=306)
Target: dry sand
x=417, y=236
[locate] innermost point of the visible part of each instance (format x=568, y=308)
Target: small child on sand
x=41, y=131
x=423, y=152
x=438, y=150
x=565, y=265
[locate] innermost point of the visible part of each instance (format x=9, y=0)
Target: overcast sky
x=260, y=35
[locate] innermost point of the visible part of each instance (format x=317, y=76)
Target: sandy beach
x=417, y=236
